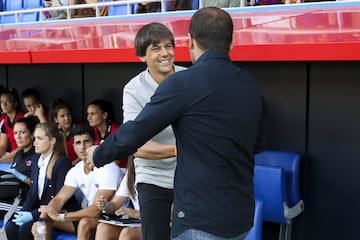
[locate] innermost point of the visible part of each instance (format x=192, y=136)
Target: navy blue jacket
x=52, y=186
x=216, y=111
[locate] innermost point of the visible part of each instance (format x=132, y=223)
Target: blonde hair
x=59, y=147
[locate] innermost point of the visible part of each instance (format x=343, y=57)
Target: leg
x=87, y=228
x=155, y=201
x=131, y=233
x=106, y=231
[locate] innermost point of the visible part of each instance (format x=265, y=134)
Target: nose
x=163, y=51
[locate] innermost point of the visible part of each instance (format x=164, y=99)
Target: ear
x=105, y=115
x=191, y=41
x=231, y=46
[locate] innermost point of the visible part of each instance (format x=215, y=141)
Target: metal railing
x=97, y=6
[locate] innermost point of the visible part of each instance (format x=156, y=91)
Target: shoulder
x=135, y=80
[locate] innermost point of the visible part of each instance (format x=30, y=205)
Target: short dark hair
x=30, y=122
x=14, y=94
x=81, y=130
x=55, y=106
x=30, y=92
x=105, y=106
x=152, y=33
x=212, y=28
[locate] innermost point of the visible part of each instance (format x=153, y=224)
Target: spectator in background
x=55, y=14
x=32, y=103
x=148, y=7
x=10, y=104
x=82, y=12
x=61, y=117
x=48, y=172
x=174, y=5
x=221, y=3
x=100, y=116
x=93, y=183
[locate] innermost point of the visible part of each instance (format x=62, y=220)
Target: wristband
x=62, y=217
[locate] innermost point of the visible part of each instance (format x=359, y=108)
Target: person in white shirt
x=126, y=191
x=93, y=183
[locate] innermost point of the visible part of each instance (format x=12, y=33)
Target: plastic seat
x=30, y=4
x=59, y=235
x=117, y=10
x=256, y=231
x=195, y=4
x=292, y=205
x=5, y=165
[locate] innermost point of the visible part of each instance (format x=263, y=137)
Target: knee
x=86, y=226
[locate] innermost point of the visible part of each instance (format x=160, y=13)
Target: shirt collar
x=44, y=162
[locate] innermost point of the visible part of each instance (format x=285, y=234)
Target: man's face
x=81, y=143
x=160, y=58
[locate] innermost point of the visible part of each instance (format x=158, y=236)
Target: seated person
x=174, y=5
x=100, y=116
x=60, y=115
x=82, y=12
x=23, y=159
x=148, y=7
x=48, y=169
x=10, y=105
x=93, y=183
x=31, y=101
x=55, y=14
x=220, y=3
x=126, y=191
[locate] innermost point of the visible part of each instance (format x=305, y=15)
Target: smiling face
x=22, y=136
x=160, y=58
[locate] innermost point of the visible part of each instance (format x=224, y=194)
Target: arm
x=9, y=157
x=91, y=211
x=4, y=143
x=110, y=207
x=154, y=150
x=57, y=202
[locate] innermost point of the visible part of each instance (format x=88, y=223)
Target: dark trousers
x=155, y=210
x=15, y=232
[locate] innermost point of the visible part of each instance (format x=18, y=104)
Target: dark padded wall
x=312, y=110
x=52, y=81
x=333, y=192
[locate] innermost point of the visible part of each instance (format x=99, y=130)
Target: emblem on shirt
x=28, y=163
x=181, y=214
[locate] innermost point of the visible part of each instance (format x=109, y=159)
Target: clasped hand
x=22, y=217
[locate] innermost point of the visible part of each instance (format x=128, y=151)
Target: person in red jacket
x=100, y=116
x=10, y=105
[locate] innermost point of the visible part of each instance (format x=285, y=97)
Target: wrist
x=106, y=205
x=62, y=217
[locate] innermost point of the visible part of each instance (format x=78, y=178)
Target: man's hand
x=50, y=212
x=89, y=156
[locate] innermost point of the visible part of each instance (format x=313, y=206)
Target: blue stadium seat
x=292, y=205
x=5, y=165
x=256, y=231
x=117, y=10
x=58, y=235
x=195, y=4
x=31, y=4
x=11, y=5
